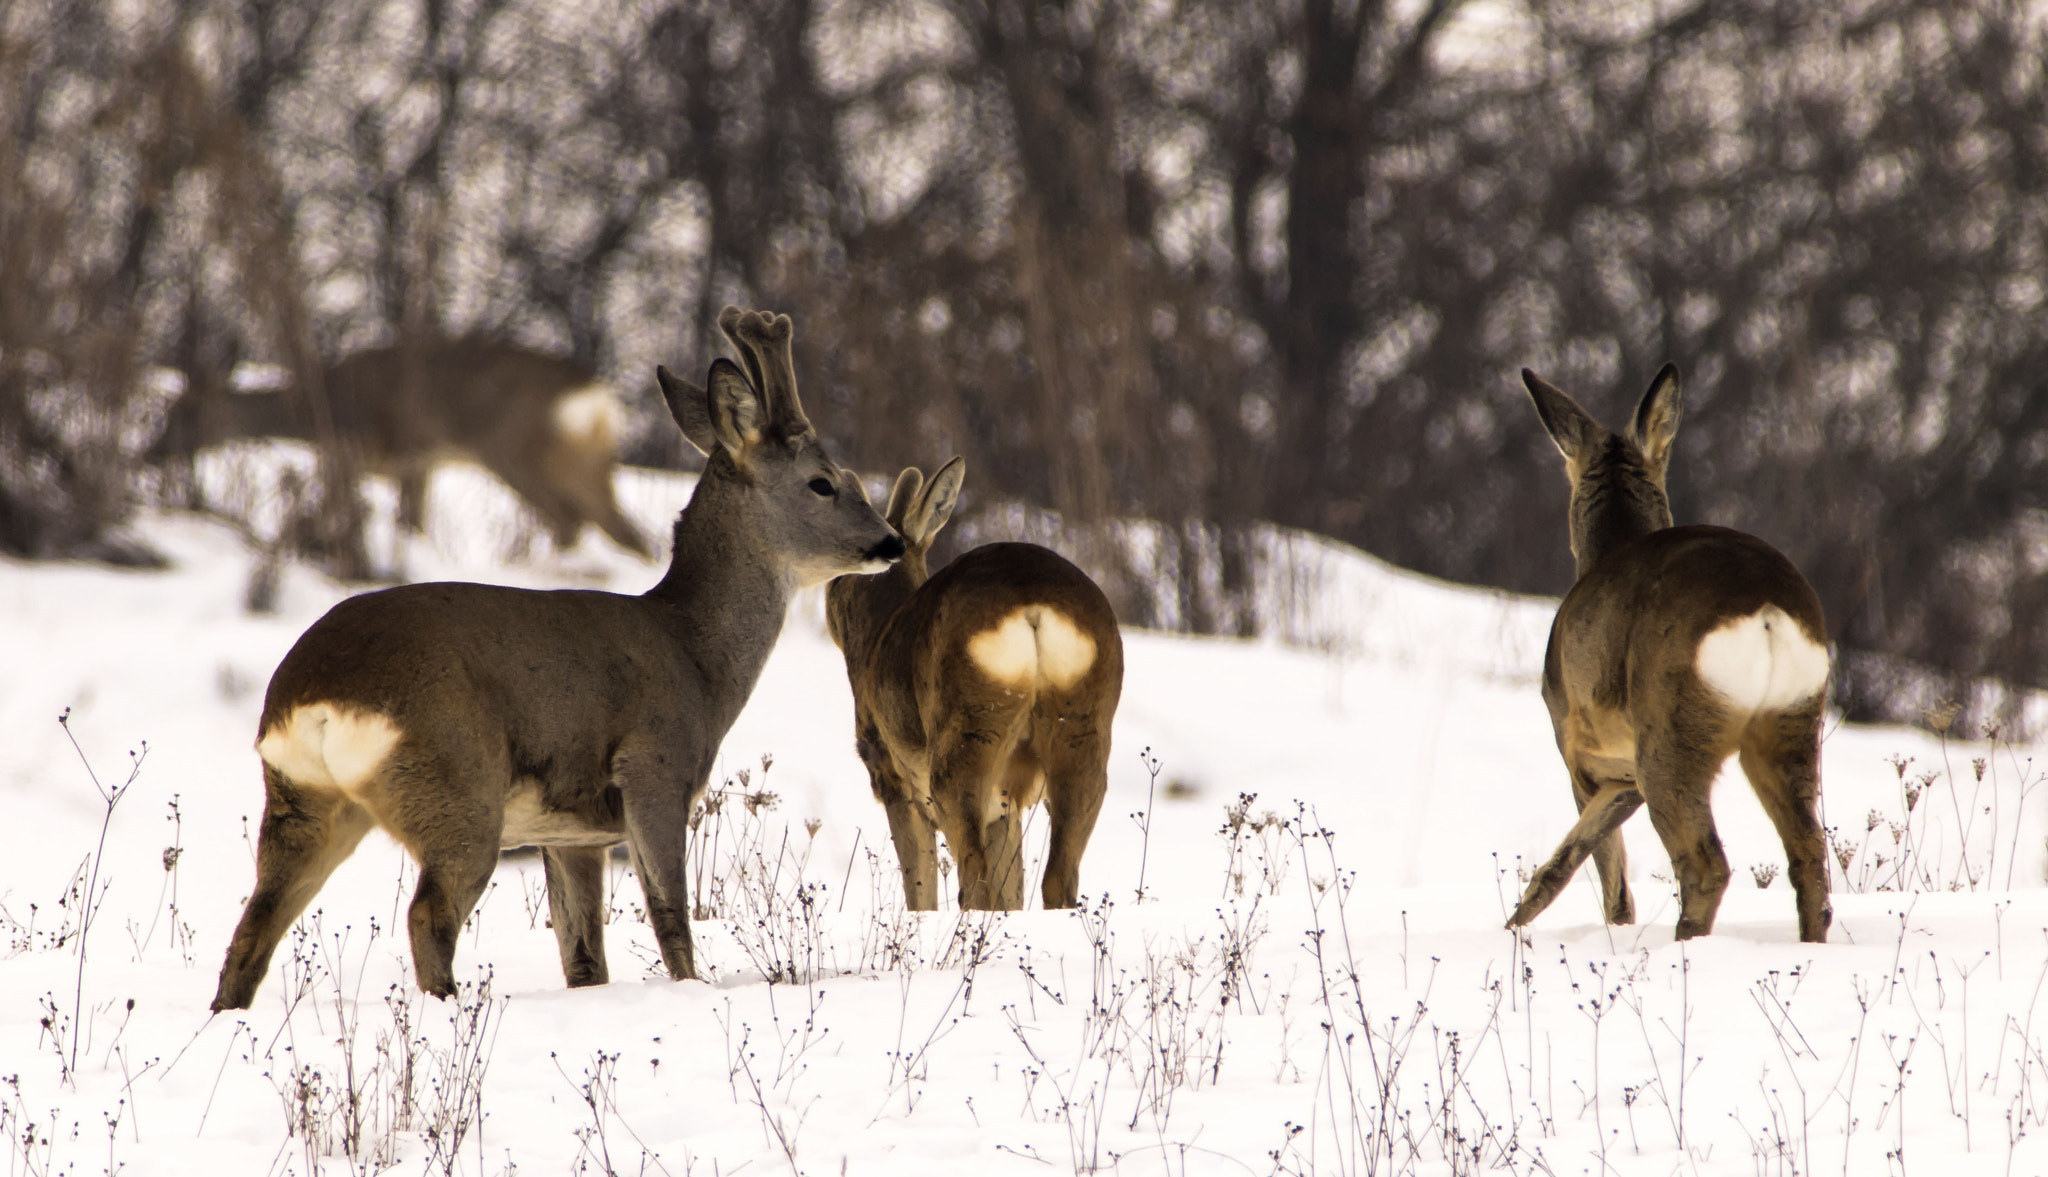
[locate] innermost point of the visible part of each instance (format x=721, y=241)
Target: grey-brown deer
x=978, y=691
x=466, y=718
x=547, y=427
x=1675, y=648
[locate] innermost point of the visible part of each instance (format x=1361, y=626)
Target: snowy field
x=1291, y=960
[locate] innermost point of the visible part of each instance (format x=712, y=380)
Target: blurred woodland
x=1210, y=263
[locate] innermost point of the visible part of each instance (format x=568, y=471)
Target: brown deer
x=978, y=692
x=545, y=426
x=1675, y=648
x=466, y=718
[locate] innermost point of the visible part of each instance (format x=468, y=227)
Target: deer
x=547, y=427
x=1675, y=648
x=464, y=718
x=979, y=691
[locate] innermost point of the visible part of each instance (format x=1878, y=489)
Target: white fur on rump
x=1034, y=645
x=1763, y=661
x=321, y=746
x=591, y=414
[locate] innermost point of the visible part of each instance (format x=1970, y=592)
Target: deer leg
x=1676, y=775
x=658, y=829
x=455, y=867
x=1002, y=842
x=615, y=524
x=963, y=838
x=916, y=850
x=304, y=836
x=1781, y=758
x=583, y=480
x=1610, y=855
x=523, y=475
x=1600, y=817
x=969, y=759
x=1076, y=778
x=1023, y=779
x=576, y=907
x=412, y=497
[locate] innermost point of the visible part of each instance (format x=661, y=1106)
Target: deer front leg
x=658, y=828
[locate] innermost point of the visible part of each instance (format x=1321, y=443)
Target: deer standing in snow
x=1675, y=648
x=467, y=718
x=547, y=427
x=978, y=691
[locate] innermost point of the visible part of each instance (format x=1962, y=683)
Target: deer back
x=472, y=397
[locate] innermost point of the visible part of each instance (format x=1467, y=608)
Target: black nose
x=888, y=549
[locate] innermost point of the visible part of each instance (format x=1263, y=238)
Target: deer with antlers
x=466, y=718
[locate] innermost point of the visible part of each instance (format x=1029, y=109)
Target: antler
x=763, y=340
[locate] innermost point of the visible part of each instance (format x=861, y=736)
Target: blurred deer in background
x=548, y=428
x=1675, y=648
x=978, y=692
x=466, y=718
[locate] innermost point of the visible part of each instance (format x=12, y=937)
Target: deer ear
x=902, y=495
x=687, y=404
x=1569, y=426
x=1657, y=417
x=735, y=408
x=935, y=505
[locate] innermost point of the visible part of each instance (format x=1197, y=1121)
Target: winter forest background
x=1207, y=263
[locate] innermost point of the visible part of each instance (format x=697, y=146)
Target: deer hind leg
x=576, y=907
x=970, y=758
x=917, y=852
x=1076, y=778
x=527, y=475
x=1610, y=855
x=583, y=481
x=412, y=496
x=305, y=835
x=1675, y=766
x=1781, y=757
x=1600, y=818
x=451, y=823
x=1022, y=786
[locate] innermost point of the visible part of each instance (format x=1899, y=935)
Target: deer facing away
x=978, y=691
x=548, y=428
x=465, y=718
x=1675, y=648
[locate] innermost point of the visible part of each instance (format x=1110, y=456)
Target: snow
x=1323, y=990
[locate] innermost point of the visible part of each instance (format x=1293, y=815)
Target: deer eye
x=820, y=486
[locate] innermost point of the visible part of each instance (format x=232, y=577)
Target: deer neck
x=1614, y=503
x=727, y=590
x=870, y=602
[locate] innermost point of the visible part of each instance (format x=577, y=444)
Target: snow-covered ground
x=1323, y=990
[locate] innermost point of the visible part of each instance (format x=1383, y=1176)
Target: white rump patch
x=321, y=746
x=591, y=415
x=1035, y=644
x=1763, y=662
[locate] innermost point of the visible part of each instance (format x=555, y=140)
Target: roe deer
x=466, y=718
x=977, y=692
x=548, y=428
x=1675, y=647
